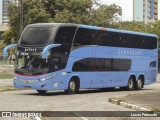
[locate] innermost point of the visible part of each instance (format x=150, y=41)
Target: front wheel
x=72, y=87
x=41, y=91
x=131, y=83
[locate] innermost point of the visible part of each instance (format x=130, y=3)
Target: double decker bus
x=64, y=56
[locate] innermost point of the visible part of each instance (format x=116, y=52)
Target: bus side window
x=84, y=37
x=153, y=64
x=65, y=35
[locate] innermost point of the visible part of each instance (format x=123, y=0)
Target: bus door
x=153, y=69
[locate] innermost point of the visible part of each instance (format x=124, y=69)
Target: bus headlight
x=15, y=78
x=46, y=78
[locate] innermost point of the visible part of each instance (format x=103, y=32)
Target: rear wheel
x=73, y=86
x=139, y=84
x=131, y=84
x=41, y=91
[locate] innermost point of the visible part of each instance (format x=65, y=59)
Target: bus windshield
x=33, y=64
x=37, y=35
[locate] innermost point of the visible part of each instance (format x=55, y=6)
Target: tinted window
x=37, y=35
x=102, y=64
x=153, y=64
x=65, y=35
x=84, y=37
x=83, y=65
x=121, y=64
x=127, y=40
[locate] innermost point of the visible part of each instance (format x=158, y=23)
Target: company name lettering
x=30, y=49
x=129, y=52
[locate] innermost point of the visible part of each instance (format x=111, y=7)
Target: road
x=86, y=100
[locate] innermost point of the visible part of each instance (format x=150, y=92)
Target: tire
x=73, y=86
x=41, y=91
x=131, y=84
x=139, y=84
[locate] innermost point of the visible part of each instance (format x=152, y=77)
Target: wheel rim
x=72, y=85
x=130, y=84
x=139, y=83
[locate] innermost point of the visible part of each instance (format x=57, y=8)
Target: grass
x=5, y=89
x=6, y=76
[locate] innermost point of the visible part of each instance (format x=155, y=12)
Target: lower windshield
x=33, y=64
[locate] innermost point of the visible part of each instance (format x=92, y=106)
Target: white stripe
x=38, y=118
x=81, y=116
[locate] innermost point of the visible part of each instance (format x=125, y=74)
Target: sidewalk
x=6, y=82
x=150, y=100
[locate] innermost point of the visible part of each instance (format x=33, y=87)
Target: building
x=4, y=11
x=138, y=10
x=145, y=10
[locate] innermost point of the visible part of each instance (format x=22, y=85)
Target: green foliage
x=131, y=26
x=106, y=15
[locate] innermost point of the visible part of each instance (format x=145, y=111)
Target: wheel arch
x=133, y=76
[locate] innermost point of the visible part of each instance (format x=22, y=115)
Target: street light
x=21, y=16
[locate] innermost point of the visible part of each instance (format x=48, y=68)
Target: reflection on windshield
x=37, y=35
x=34, y=64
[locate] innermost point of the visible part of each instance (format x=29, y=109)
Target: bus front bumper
x=36, y=84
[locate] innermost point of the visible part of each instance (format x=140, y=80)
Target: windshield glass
x=37, y=35
x=32, y=64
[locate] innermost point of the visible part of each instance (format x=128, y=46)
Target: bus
x=69, y=57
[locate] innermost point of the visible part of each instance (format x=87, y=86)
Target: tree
x=106, y=15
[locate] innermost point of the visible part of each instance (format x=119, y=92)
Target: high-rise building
x=4, y=10
x=145, y=10
x=138, y=10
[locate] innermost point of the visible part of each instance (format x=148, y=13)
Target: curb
x=127, y=105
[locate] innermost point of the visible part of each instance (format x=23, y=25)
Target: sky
x=127, y=8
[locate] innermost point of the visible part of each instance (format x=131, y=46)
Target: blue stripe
x=7, y=48
x=131, y=32
x=90, y=27
x=119, y=31
x=47, y=48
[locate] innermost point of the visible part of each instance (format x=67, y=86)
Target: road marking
x=80, y=116
x=38, y=118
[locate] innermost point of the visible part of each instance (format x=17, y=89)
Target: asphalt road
x=86, y=100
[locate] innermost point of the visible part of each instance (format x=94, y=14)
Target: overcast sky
x=127, y=8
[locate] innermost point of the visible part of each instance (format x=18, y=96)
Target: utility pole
x=21, y=16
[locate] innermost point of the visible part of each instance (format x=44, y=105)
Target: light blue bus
x=64, y=56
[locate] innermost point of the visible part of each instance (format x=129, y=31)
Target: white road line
x=38, y=118
x=80, y=116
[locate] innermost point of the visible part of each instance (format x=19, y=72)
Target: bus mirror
x=7, y=48
x=47, y=48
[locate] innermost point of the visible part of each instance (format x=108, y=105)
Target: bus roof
x=92, y=27
x=51, y=24
x=119, y=31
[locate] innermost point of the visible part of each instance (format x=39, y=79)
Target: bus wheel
x=41, y=91
x=131, y=83
x=72, y=86
x=139, y=84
